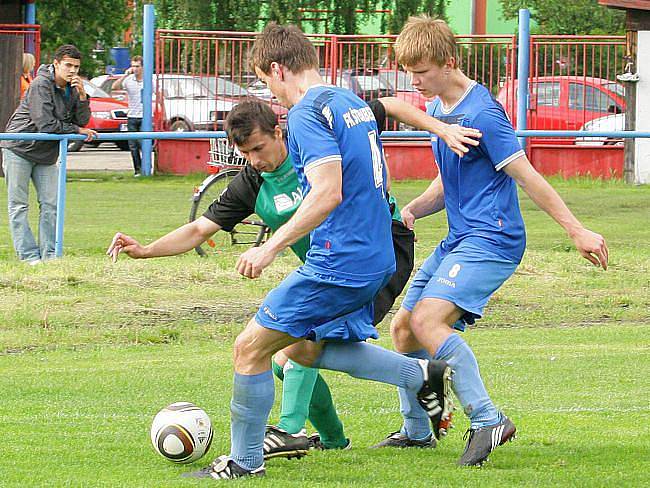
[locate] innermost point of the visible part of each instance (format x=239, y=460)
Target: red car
x=106, y=115
x=564, y=102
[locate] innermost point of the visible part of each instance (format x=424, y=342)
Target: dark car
x=366, y=84
x=401, y=83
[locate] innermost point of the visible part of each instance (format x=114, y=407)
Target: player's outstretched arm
x=430, y=202
x=326, y=181
x=176, y=242
x=590, y=245
x=456, y=137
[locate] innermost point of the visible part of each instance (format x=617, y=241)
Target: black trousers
x=134, y=125
x=404, y=246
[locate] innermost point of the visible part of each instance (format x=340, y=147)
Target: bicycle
x=223, y=165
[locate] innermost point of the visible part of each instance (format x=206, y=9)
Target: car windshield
x=615, y=87
x=399, y=80
x=371, y=83
x=95, y=91
x=222, y=87
x=183, y=87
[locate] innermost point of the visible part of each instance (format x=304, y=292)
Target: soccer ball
x=181, y=432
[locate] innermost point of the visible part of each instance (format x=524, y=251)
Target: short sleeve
x=312, y=134
x=379, y=111
x=237, y=201
x=498, y=142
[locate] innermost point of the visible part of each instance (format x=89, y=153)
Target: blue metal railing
x=117, y=136
x=523, y=66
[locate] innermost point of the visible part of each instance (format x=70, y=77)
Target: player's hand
x=128, y=71
x=123, y=243
x=458, y=138
x=408, y=218
x=592, y=247
x=252, y=262
x=89, y=133
x=77, y=83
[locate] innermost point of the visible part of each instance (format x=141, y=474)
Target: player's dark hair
x=137, y=58
x=248, y=116
x=286, y=45
x=67, y=50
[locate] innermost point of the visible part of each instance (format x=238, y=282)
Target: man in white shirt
x=132, y=82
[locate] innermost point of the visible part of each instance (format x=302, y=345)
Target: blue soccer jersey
x=480, y=199
x=354, y=241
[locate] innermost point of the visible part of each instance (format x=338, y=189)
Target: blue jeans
x=18, y=172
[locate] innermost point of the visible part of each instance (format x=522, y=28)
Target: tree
x=403, y=9
x=207, y=14
x=84, y=23
x=578, y=17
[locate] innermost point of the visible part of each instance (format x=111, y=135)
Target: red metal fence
x=212, y=68
x=201, y=75
x=30, y=34
x=572, y=82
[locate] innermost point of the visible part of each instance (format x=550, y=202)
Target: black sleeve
x=237, y=201
x=81, y=115
x=379, y=111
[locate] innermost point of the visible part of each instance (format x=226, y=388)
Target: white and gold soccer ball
x=181, y=432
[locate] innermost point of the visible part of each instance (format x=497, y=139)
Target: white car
x=98, y=80
x=609, y=123
x=187, y=101
x=189, y=104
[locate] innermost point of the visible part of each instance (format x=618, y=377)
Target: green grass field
x=90, y=351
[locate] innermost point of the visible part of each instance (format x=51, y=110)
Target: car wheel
x=123, y=145
x=180, y=126
x=75, y=146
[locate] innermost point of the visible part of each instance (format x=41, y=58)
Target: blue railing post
x=60, y=201
x=523, y=64
x=147, y=89
x=30, y=18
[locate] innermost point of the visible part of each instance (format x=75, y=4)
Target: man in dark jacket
x=56, y=103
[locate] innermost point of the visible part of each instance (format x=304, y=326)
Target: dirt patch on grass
x=568, y=325
x=220, y=312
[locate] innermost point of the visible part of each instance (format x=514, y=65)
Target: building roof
x=626, y=4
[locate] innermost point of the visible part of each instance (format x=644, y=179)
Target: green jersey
x=274, y=196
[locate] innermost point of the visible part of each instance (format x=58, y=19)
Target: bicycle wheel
x=211, y=188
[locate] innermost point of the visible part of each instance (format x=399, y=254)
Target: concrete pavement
x=106, y=157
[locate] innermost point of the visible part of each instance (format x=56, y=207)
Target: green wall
x=458, y=13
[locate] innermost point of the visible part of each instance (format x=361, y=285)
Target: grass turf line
x=90, y=351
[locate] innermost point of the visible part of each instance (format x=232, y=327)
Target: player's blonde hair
x=423, y=39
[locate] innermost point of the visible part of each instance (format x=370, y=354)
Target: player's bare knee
x=304, y=353
x=248, y=351
x=423, y=321
x=400, y=331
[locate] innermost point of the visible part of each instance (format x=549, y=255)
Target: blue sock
x=252, y=399
x=467, y=384
x=370, y=362
x=416, y=422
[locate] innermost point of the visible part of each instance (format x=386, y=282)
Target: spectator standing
x=132, y=82
x=55, y=103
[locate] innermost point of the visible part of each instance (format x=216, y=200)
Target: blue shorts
x=466, y=276
x=313, y=306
